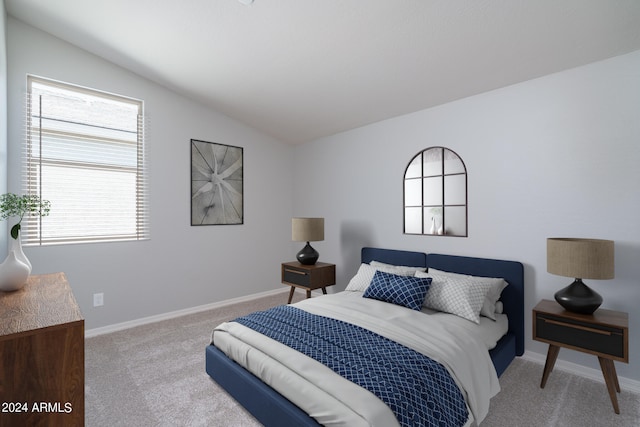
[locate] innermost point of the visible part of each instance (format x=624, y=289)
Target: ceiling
x=299, y=70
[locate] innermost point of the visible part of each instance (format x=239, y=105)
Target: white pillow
x=401, y=270
x=462, y=296
x=489, y=305
x=361, y=281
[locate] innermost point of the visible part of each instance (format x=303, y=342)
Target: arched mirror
x=435, y=194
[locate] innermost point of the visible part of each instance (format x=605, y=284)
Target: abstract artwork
x=216, y=184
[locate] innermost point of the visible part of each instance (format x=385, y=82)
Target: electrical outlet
x=98, y=300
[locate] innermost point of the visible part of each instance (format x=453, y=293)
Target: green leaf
x=15, y=231
x=28, y=204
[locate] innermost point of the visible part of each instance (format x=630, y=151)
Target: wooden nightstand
x=605, y=334
x=308, y=277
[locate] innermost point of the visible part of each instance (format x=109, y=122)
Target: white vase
x=16, y=246
x=13, y=273
x=432, y=230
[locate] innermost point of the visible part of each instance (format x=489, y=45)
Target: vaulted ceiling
x=303, y=69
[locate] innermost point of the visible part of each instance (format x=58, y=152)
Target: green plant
x=19, y=206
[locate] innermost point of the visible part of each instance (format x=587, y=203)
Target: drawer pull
x=302, y=273
x=584, y=328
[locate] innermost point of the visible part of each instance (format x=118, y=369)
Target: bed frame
x=272, y=409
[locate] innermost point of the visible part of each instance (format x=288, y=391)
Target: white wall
x=555, y=156
x=3, y=122
x=181, y=266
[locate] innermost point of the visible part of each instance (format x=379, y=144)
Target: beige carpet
x=154, y=375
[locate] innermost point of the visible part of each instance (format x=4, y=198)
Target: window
x=85, y=154
x=435, y=193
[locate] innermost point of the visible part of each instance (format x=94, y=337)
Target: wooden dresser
x=41, y=355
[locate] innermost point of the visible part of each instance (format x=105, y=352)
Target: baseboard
x=583, y=371
x=173, y=314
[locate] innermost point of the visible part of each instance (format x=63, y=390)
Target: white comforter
x=335, y=401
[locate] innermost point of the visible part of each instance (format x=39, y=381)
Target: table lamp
x=580, y=259
x=307, y=230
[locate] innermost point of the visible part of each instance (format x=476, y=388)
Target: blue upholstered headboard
x=512, y=271
x=395, y=257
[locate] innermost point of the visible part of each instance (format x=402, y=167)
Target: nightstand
x=605, y=334
x=308, y=277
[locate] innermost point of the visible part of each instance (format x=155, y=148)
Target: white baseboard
x=583, y=371
x=173, y=314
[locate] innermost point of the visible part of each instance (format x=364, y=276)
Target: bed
x=272, y=409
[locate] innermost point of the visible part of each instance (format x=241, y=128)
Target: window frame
x=35, y=230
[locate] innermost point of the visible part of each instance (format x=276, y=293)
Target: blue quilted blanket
x=419, y=391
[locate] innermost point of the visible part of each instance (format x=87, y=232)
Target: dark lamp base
x=307, y=255
x=578, y=298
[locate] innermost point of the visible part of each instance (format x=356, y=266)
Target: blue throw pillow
x=407, y=291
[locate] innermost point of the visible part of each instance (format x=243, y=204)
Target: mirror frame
x=437, y=228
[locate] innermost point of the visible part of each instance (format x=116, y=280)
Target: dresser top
x=45, y=301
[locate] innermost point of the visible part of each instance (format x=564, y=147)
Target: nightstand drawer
x=296, y=276
x=602, y=339
x=318, y=275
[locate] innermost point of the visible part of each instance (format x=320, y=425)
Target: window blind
x=84, y=153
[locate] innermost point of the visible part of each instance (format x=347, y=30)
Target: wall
x=181, y=266
x=555, y=156
x=3, y=123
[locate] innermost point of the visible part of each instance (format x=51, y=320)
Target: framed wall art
x=216, y=184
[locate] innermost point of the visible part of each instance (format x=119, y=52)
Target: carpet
x=154, y=375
